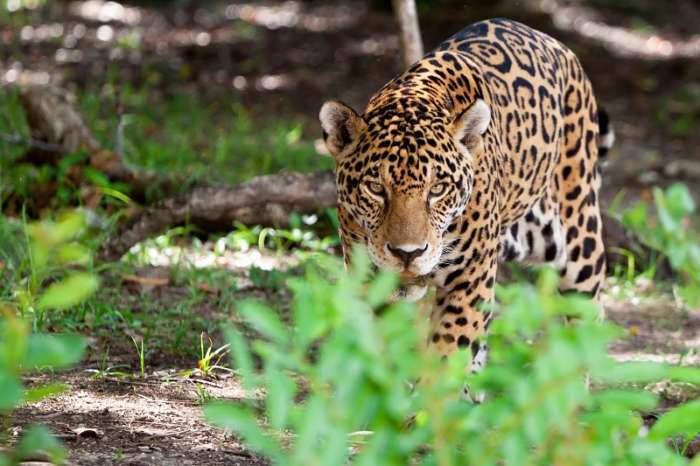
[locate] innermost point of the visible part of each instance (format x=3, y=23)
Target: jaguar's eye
x=375, y=188
x=438, y=189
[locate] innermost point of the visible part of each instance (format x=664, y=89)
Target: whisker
x=447, y=249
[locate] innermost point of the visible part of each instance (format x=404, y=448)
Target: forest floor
x=282, y=59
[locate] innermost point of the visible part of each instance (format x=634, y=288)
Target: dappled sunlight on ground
x=207, y=256
x=219, y=43
x=618, y=40
x=156, y=419
x=98, y=10
x=295, y=14
x=657, y=327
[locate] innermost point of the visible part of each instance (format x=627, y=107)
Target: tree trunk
x=411, y=43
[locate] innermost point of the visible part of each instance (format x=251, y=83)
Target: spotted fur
x=486, y=150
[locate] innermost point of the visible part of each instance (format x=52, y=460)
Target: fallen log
x=260, y=200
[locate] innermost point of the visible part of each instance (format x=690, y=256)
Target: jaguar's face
x=402, y=180
x=404, y=201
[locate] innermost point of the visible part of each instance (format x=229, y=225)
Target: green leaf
x=11, y=392
x=38, y=439
x=13, y=343
x=626, y=399
x=310, y=430
x=690, y=294
x=39, y=393
x=53, y=350
x=666, y=219
x=684, y=419
x=68, y=292
x=635, y=372
x=679, y=200
x=684, y=374
x=310, y=321
x=360, y=265
x=264, y=320
x=69, y=226
x=73, y=253
x=280, y=396
x=635, y=217
x=39, y=256
x=380, y=289
x=241, y=357
x=48, y=233
x=95, y=177
x=242, y=421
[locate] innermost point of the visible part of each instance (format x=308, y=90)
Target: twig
x=205, y=382
x=33, y=143
x=127, y=382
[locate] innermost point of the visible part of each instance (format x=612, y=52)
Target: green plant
x=671, y=233
x=210, y=359
x=141, y=353
x=679, y=112
x=39, y=287
x=104, y=369
x=279, y=239
x=339, y=385
x=20, y=352
x=207, y=134
x=46, y=264
x=204, y=396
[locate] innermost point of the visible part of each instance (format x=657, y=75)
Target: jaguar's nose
x=407, y=252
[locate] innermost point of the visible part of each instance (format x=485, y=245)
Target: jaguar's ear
x=471, y=124
x=341, y=126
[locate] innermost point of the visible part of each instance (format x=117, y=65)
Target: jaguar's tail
x=606, y=134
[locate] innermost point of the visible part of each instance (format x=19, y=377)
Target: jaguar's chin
x=411, y=288
x=409, y=292
x=408, y=279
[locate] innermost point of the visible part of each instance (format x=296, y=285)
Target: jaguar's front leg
x=459, y=319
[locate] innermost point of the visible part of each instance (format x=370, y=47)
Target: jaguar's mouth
x=411, y=279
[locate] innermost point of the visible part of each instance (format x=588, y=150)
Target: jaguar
x=487, y=150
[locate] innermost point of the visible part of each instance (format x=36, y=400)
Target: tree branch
x=32, y=143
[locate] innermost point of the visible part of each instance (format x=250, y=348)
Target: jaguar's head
x=403, y=177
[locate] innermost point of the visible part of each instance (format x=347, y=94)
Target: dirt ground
x=155, y=420
x=286, y=58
